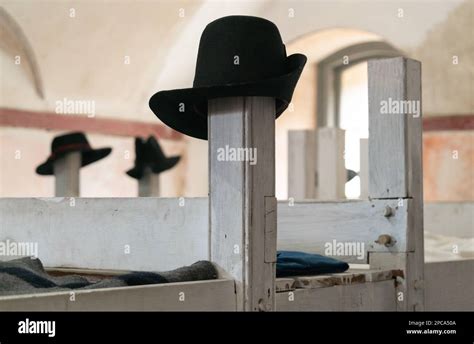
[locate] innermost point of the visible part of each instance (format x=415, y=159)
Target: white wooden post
x=395, y=160
x=364, y=168
x=331, y=169
x=242, y=203
x=149, y=184
x=66, y=173
x=302, y=164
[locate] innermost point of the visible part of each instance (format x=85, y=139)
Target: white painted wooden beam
x=331, y=169
x=345, y=230
x=149, y=184
x=376, y=296
x=211, y=295
x=242, y=199
x=364, y=168
x=302, y=164
x=150, y=234
x=66, y=173
x=395, y=161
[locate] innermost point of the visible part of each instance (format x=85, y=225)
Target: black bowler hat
x=67, y=143
x=238, y=56
x=150, y=154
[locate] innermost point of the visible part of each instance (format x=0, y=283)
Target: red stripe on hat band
x=70, y=147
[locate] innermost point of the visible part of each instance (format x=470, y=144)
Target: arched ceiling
x=83, y=57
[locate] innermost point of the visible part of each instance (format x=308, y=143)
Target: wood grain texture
x=165, y=233
x=395, y=160
x=352, y=276
x=215, y=295
x=67, y=175
x=240, y=230
x=313, y=226
x=364, y=169
x=376, y=296
x=331, y=169
x=302, y=164
x=147, y=234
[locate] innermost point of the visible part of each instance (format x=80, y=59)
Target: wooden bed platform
x=356, y=289
x=240, y=226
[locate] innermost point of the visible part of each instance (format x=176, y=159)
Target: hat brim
x=192, y=119
x=88, y=157
x=137, y=171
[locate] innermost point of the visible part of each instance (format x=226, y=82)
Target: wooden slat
x=148, y=234
x=312, y=226
x=302, y=164
x=242, y=197
x=364, y=168
x=166, y=233
x=331, y=170
x=106, y=126
x=215, y=295
x=284, y=284
x=377, y=296
x=346, y=278
x=395, y=161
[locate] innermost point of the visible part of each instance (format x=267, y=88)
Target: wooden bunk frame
x=237, y=226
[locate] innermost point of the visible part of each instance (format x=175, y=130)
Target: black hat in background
x=149, y=154
x=238, y=56
x=67, y=143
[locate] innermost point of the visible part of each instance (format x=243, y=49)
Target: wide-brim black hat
x=238, y=56
x=149, y=154
x=72, y=142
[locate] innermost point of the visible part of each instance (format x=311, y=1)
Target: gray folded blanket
x=27, y=275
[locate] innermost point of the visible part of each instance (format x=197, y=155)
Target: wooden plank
x=284, y=284
x=323, y=227
x=392, y=149
x=147, y=234
x=215, y=295
x=331, y=170
x=66, y=175
x=448, y=286
x=351, y=276
x=149, y=184
x=165, y=233
x=395, y=160
x=242, y=215
x=364, y=169
x=73, y=122
x=302, y=164
x=377, y=296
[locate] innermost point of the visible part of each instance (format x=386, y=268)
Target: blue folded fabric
x=292, y=263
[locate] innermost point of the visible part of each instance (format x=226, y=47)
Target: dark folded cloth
x=27, y=275
x=292, y=263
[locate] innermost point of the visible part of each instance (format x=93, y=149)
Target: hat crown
x=148, y=152
x=71, y=139
x=239, y=49
x=156, y=153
